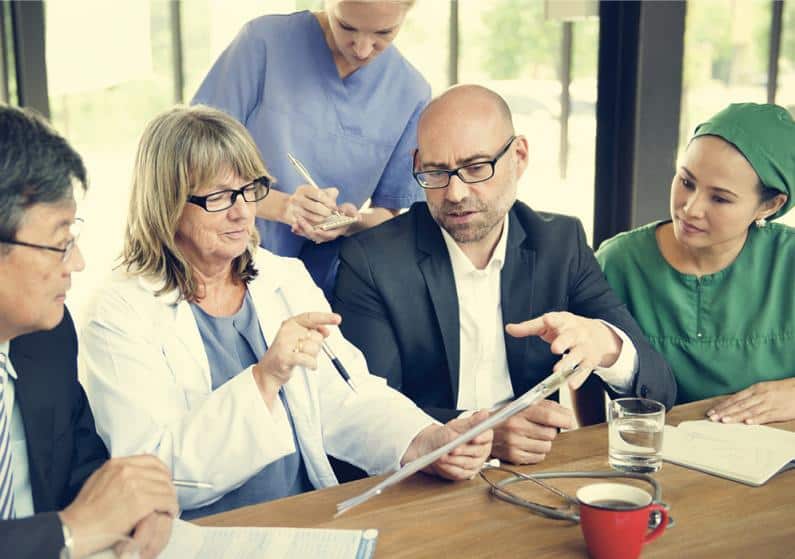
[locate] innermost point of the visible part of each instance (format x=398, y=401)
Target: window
x=725, y=59
x=511, y=47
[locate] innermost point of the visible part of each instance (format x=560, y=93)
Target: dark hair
x=37, y=165
x=767, y=193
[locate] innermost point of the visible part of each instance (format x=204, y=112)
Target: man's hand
x=526, y=438
x=463, y=462
x=582, y=341
x=152, y=533
x=763, y=402
x=116, y=498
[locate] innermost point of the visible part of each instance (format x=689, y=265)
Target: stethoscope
x=570, y=511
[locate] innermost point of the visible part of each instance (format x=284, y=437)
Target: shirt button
x=698, y=335
x=644, y=390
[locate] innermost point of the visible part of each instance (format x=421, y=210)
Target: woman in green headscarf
x=712, y=287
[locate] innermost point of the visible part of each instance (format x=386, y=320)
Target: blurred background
x=110, y=66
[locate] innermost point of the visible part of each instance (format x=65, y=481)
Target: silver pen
x=336, y=219
x=301, y=169
x=191, y=484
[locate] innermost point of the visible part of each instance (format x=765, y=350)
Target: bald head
x=471, y=102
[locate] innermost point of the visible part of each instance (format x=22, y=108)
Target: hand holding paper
x=540, y=391
x=462, y=462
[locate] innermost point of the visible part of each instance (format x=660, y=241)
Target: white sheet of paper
x=189, y=540
x=750, y=454
x=535, y=394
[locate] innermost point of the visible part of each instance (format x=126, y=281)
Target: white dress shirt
x=483, y=378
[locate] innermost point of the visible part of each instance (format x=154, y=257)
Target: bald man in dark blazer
x=473, y=262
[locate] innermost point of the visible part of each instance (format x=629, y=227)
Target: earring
x=760, y=223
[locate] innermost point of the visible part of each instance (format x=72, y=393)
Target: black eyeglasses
x=471, y=173
x=65, y=250
x=222, y=200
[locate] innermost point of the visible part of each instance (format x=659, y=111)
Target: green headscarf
x=765, y=135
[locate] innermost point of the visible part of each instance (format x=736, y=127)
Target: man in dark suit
x=58, y=490
x=436, y=298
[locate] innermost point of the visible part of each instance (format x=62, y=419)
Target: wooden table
x=428, y=517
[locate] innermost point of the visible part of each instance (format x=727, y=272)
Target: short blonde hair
x=181, y=151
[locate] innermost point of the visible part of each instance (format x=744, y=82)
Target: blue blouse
x=234, y=343
x=278, y=77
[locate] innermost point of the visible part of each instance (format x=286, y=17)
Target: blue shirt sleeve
x=235, y=82
x=397, y=188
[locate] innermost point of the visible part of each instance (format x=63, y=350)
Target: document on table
x=191, y=541
x=750, y=454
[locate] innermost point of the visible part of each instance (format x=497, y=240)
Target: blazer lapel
x=516, y=295
x=37, y=406
x=434, y=263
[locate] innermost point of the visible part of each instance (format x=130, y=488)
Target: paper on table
x=189, y=540
x=750, y=454
x=538, y=392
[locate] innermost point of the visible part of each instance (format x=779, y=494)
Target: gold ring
x=299, y=348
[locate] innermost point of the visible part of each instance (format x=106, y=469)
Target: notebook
x=749, y=454
x=191, y=541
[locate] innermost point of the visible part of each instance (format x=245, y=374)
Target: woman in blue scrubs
x=330, y=88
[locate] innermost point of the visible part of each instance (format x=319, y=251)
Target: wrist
x=268, y=387
x=79, y=540
x=416, y=448
x=613, y=345
x=68, y=541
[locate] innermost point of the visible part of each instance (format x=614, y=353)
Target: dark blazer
x=63, y=446
x=397, y=297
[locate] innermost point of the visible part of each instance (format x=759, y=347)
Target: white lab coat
x=147, y=377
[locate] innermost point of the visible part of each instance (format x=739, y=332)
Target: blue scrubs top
x=279, y=79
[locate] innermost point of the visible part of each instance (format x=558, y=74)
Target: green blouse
x=721, y=332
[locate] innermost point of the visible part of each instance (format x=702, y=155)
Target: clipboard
x=540, y=391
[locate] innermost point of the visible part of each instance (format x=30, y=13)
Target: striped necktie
x=6, y=473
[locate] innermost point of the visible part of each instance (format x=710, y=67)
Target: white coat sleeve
x=142, y=405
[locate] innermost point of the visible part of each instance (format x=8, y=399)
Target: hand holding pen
x=298, y=343
x=313, y=212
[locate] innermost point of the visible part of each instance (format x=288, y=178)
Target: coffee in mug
x=614, y=518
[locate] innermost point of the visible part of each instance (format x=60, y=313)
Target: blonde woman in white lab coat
x=205, y=350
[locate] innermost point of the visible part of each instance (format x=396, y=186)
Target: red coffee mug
x=615, y=518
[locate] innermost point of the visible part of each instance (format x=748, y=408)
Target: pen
x=301, y=169
x=338, y=365
x=192, y=484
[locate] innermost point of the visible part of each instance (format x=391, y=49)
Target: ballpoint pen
x=192, y=484
x=338, y=365
x=336, y=219
x=328, y=351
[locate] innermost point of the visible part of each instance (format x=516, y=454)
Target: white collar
x=461, y=263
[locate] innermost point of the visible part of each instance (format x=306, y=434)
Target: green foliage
x=520, y=42
x=518, y=39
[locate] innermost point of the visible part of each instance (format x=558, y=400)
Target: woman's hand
x=763, y=402
x=297, y=344
x=306, y=229
x=463, y=462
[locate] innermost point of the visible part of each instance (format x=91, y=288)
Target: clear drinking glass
x=635, y=434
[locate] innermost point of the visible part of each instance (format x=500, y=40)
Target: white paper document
x=750, y=454
x=197, y=542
